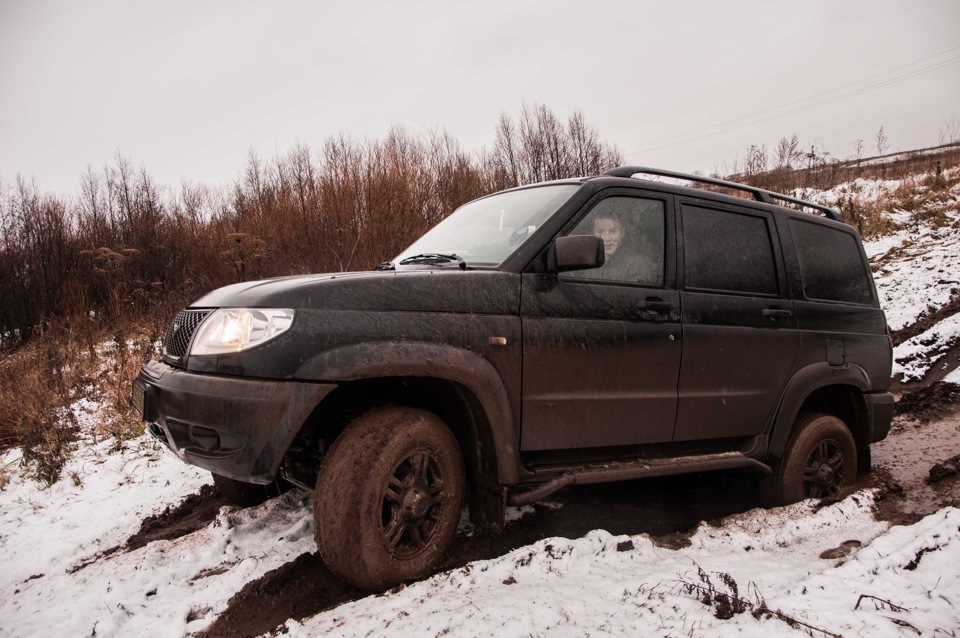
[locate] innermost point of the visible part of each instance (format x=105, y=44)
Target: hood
x=441, y=290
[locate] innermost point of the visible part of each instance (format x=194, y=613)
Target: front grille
x=177, y=339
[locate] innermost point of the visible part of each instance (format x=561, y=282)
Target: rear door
x=740, y=336
x=601, y=348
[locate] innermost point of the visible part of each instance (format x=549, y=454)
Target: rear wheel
x=820, y=462
x=246, y=494
x=388, y=497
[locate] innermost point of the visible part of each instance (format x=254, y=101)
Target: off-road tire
x=246, y=494
x=820, y=462
x=388, y=495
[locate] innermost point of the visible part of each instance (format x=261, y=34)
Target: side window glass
x=831, y=267
x=727, y=252
x=632, y=230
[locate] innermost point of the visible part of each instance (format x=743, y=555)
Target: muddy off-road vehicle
x=577, y=331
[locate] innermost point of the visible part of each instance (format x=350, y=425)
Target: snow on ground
x=628, y=586
x=917, y=266
x=66, y=572
x=60, y=576
x=600, y=584
x=914, y=357
x=917, y=269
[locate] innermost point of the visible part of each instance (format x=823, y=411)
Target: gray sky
x=187, y=88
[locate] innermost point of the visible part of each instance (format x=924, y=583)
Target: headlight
x=236, y=329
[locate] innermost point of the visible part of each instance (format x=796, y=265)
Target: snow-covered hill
x=834, y=570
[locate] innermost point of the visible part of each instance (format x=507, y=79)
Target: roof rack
x=761, y=195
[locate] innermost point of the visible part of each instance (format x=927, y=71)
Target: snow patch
x=599, y=584
x=914, y=357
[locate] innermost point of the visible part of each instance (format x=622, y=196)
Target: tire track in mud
x=669, y=508
x=927, y=320
x=913, y=465
x=304, y=587
x=190, y=515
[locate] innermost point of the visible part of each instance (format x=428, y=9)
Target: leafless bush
x=34, y=407
x=539, y=146
x=882, y=142
x=108, y=269
x=118, y=366
x=788, y=153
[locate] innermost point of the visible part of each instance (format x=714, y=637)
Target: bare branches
x=128, y=246
x=881, y=603
x=539, y=147
x=950, y=130
x=729, y=603
x=882, y=142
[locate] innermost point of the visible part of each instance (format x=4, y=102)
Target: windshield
x=486, y=231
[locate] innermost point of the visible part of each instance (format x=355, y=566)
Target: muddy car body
x=503, y=356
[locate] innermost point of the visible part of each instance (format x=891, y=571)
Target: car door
x=740, y=337
x=601, y=348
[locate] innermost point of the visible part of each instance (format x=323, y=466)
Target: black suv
x=577, y=331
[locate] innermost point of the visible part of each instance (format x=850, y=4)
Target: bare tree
x=756, y=160
x=950, y=130
x=882, y=142
x=788, y=153
x=858, y=150
x=128, y=244
x=540, y=147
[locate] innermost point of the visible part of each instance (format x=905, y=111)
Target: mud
x=301, y=588
x=668, y=508
x=927, y=320
x=925, y=436
x=912, y=466
x=194, y=513
x=943, y=471
x=934, y=401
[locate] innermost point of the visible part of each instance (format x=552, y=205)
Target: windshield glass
x=486, y=231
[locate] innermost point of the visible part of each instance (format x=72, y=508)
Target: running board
x=628, y=470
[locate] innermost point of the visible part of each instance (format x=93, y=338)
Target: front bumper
x=232, y=426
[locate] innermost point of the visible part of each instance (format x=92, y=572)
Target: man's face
x=610, y=231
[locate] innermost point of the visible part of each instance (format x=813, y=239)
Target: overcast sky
x=186, y=88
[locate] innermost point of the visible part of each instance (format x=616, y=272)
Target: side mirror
x=576, y=252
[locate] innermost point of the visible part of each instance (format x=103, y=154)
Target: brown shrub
x=34, y=407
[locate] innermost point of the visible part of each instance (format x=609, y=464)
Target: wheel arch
x=460, y=386
x=826, y=389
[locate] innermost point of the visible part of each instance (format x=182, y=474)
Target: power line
x=726, y=127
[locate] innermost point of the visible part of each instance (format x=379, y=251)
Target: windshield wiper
x=387, y=265
x=434, y=258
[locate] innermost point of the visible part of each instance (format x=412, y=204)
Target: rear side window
x=728, y=252
x=830, y=264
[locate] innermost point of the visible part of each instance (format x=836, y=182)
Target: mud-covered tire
x=245, y=494
x=387, y=499
x=820, y=462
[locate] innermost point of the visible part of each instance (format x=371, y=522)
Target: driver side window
x=632, y=230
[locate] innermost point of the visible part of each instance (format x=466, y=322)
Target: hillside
x=124, y=539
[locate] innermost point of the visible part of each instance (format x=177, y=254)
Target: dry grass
x=45, y=386
x=35, y=392
x=83, y=319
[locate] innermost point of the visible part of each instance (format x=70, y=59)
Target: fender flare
x=419, y=359
x=805, y=382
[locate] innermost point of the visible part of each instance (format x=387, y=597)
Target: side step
x=627, y=470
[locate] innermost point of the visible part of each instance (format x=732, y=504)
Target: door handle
x=777, y=313
x=656, y=304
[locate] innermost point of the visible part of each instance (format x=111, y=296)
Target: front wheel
x=388, y=497
x=820, y=462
